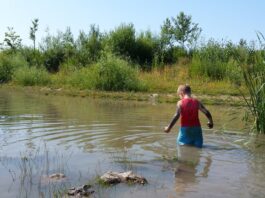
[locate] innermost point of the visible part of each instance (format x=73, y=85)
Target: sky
x=219, y=19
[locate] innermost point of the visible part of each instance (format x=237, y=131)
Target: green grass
x=167, y=80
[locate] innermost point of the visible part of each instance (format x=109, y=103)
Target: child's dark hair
x=185, y=89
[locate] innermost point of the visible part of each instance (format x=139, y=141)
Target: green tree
x=12, y=40
x=146, y=47
x=89, y=45
x=180, y=30
x=33, y=30
x=122, y=40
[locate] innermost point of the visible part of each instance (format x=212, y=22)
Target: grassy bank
x=113, y=77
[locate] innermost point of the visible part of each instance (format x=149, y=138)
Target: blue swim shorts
x=190, y=136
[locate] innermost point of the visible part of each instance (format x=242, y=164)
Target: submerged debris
x=56, y=177
x=81, y=191
x=125, y=177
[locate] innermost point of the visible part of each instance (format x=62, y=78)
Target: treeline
x=121, y=53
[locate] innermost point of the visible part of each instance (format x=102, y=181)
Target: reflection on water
x=84, y=137
x=190, y=167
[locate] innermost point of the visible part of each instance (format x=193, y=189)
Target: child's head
x=184, y=90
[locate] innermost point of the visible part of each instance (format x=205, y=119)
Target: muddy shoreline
x=229, y=100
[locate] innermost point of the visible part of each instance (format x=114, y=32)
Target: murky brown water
x=83, y=138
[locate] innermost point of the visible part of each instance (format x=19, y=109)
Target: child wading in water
x=190, y=132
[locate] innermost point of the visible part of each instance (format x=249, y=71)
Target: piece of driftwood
x=81, y=191
x=56, y=177
x=126, y=177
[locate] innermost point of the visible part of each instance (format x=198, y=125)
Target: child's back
x=189, y=114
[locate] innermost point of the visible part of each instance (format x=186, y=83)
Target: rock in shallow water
x=81, y=191
x=56, y=177
x=126, y=177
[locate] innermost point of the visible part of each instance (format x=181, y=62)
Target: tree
x=180, y=30
x=33, y=31
x=12, y=40
x=122, y=40
x=146, y=47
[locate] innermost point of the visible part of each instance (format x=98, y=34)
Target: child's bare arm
x=174, y=119
x=207, y=114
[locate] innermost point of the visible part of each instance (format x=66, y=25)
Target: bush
x=82, y=78
x=145, y=49
x=210, y=61
x=58, y=49
x=30, y=76
x=89, y=46
x=8, y=63
x=234, y=73
x=53, y=58
x=115, y=74
x=33, y=57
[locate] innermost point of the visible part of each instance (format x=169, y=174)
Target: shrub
x=58, y=49
x=53, y=58
x=8, y=63
x=89, y=46
x=145, y=48
x=83, y=78
x=210, y=61
x=30, y=76
x=33, y=57
x=115, y=74
x=234, y=73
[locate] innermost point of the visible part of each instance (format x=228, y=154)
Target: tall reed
x=254, y=77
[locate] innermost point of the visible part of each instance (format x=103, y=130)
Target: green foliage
x=115, y=74
x=12, y=40
x=180, y=30
x=53, y=58
x=57, y=49
x=209, y=61
x=254, y=76
x=255, y=81
x=33, y=57
x=146, y=47
x=122, y=40
x=218, y=61
x=8, y=63
x=234, y=73
x=83, y=78
x=33, y=30
x=89, y=46
x=30, y=76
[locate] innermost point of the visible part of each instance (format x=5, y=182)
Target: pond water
x=84, y=138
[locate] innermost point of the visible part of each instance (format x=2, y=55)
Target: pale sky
x=219, y=19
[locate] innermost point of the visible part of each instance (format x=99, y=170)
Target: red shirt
x=189, y=113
